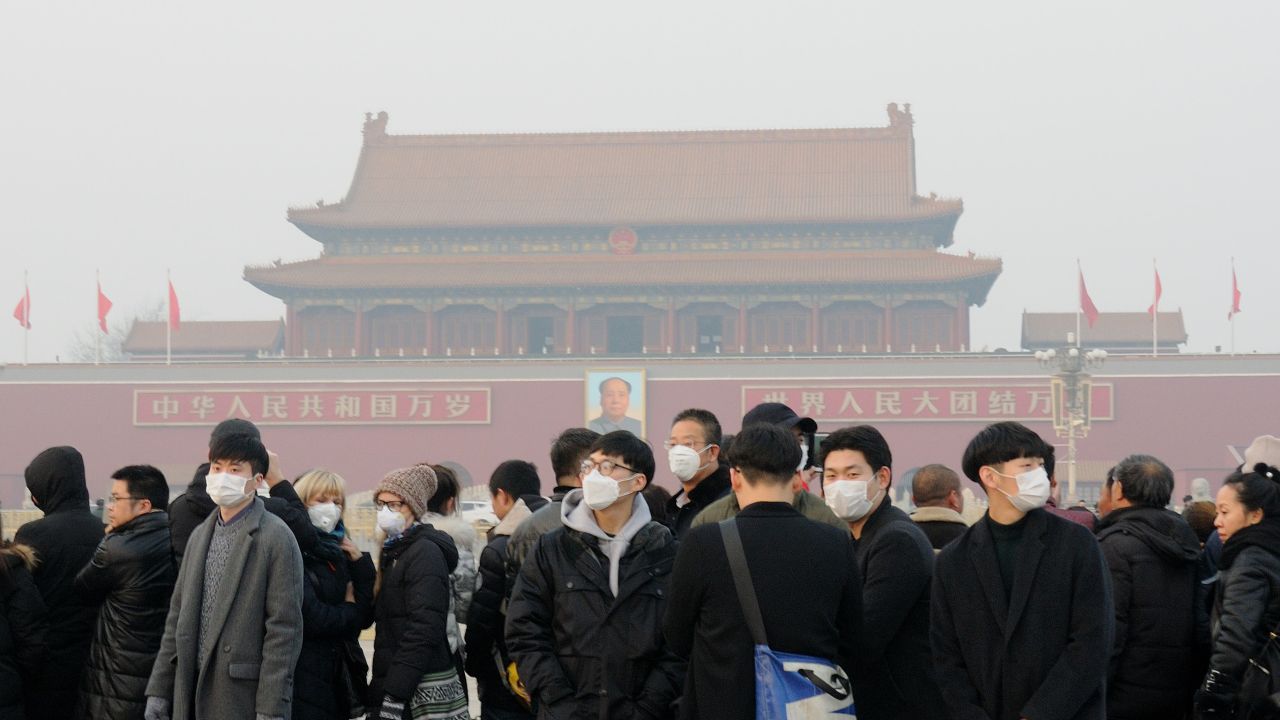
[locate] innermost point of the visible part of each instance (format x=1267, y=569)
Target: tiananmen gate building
x=731, y=242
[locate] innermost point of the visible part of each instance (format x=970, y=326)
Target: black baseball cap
x=773, y=413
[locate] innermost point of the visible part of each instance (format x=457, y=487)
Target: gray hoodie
x=576, y=515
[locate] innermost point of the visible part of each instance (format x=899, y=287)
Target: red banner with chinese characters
x=348, y=405
x=919, y=402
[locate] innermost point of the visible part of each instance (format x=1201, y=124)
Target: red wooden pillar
x=430, y=340
x=569, y=327
x=672, y=336
x=360, y=339
x=742, y=325
x=500, y=330
x=814, y=321
x=956, y=324
x=291, y=330
x=886, y=343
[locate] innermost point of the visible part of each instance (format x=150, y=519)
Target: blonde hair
x=314, y=483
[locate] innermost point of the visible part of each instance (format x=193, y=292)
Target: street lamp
x=1071, y=390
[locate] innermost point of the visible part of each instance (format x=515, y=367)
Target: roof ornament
x=900, y=117
x=375, y=128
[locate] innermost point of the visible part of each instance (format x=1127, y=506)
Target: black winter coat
x=1153, y=557
x=1247, y=606
x=583, y=653
x=64, y=541
x=410, y=611
x=23, y=628
x=328, y=622
x=711, y=488
x=486, y=622
x=894, y=677
x=132, y=575
x=194, y=506
x=811, y=607
x=1041, y=653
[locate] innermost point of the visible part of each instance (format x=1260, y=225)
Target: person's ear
x=883, y=476
x=713, y=454
x=641, y=482
x=987, y=476
x=735, y=480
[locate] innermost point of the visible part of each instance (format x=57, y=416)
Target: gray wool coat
x=256, y=626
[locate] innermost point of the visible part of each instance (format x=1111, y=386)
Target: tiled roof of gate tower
x=739, y=177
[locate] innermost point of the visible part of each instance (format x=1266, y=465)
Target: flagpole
x=1155, y=309
x=26, y=315
x=97, y=343
x=1231, y=316
x=168, y=320
x=1079, y=276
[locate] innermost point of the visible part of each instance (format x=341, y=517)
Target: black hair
x=202, y=472
x=999, y=443
x=145, y=481
x=933, y=483
x=634, y=452
x=446, y=489
x=1146, y=480
x=1258, y=489
x=861, y=438
x=764, y=452
x=615, y=377
x=516, y=477
x=1050, y=458
x=240, y=448
x=710, y=423
x=656, y=497
x=234, y=426
x=570, y=448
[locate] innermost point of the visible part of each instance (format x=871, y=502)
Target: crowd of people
x=245, y=597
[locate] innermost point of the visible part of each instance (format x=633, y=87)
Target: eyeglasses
x=395, y=505
x=112, y=499
x=668, y=444
x=606, y=467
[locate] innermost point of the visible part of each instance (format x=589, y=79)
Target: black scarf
x=1265, y=535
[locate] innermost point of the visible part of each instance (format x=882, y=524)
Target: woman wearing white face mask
x=337, y=603
x=413, y=669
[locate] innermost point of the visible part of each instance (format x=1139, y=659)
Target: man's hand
x=351, y=593
x=274, y=476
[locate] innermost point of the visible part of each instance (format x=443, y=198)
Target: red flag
x=175, y=315
x=1235, y=295
x=104, y=307
x=1086, y=303
x=1155, y=304
x=22, y=313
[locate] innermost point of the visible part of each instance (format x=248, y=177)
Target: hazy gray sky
x=143, y=136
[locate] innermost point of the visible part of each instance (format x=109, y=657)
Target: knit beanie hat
x=414, y=484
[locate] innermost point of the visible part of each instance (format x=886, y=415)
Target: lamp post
x=1071, y=388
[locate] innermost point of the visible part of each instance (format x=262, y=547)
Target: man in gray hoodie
x=585, y=616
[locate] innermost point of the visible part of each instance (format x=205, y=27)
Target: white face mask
x=601, y=491
x=390, y=521
x=226, y=489
x=325, y=516
x=1033, y=489
x=264, y=491
x=684, y=461
x=848, y=498
x=804, y=456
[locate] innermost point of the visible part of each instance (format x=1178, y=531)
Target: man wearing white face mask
x=1022, y=618
x=237, y=606
x=583, y=623
x=693, y=456
x=894, y=676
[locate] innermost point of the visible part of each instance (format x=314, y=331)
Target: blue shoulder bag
x=788, y=686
